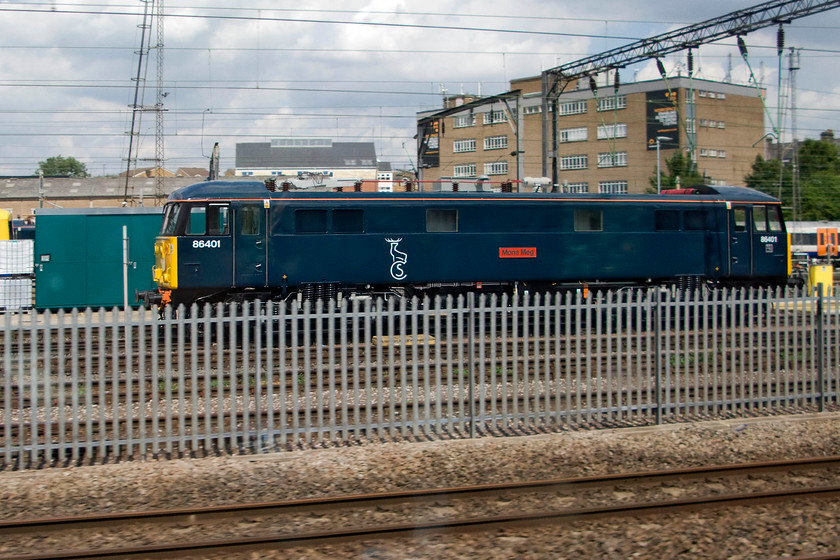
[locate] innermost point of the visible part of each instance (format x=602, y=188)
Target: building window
x=612, y=103
x=464, y=121
x=461, y=146
x=721, y=124
x=606, y=131
x=582, y=187
x=532, y=110
x=689, y=126
x=574, y=162
x=579, y=134
x=573, y=107
x=495, y=117
x=704, y=152
x=496, y=168
x=722, y=153
x=612, y=159
x=612, y=187
x=464, y=170
x=495, y=142
x=721, y=96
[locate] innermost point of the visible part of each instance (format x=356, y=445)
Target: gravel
x=758, y=532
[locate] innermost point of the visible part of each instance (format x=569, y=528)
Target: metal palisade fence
x=83, y=386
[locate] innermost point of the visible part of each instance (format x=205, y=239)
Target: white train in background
x=813, y=240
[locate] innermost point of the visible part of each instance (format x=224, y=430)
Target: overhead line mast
x=737, y=23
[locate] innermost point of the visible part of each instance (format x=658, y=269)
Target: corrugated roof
x=261, y=155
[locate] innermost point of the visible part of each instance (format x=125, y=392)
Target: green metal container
x=79, y=255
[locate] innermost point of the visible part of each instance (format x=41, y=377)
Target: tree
x=765, y=176
x=816, y=156
x=679, y=171
x=57, y=166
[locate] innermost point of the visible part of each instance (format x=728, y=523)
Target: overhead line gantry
x=555, y=80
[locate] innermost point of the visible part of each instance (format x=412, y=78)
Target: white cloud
x=67, y=78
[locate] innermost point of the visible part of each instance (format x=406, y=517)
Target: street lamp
x=658, y=173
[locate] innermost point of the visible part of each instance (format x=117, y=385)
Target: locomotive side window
x=696, y=220
x=441, y=220
x=667, y=220
x=218, y=219
x=250, y=219
x=310, y=221
x=348, y=221
x=589, y=220
x=197, y=221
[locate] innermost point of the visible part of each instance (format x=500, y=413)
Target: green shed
x=79, y=255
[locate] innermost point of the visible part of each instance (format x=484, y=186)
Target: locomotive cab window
x=218, y=219
x=589, y=220
x=197, y=221
x=767, y=218
x=170, y=219
x=759, y=218
x=438, y=220
x=208, y=220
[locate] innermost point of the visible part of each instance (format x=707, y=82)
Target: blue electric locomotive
x=233, y=241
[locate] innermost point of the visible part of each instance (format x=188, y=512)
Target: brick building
x=606, y=137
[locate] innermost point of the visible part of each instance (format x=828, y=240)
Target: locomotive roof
x=256, y=190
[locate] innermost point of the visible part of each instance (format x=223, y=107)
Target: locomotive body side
x=229, y=241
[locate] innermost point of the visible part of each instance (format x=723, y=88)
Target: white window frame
x=578, y=161
x=495, y=142
x=609, y=131
x=612, y=159
x=573, y=107
x=577, y=134
x=496, y=168
x=612, y=187
x=498, y=117
x=581, y=187
x=613, y=103
x=463, y=121
x=462, y=146
x=532, y=110
x=464, y=170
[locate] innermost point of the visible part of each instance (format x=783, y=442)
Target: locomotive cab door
x=740, y=242
x=250, y=268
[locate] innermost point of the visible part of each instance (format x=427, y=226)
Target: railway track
x=307, y=523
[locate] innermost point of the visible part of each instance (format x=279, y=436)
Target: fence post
x=657, y=320
x=471, y=358
x=820, y=350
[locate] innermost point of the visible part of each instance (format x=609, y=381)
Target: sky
x=359, y=73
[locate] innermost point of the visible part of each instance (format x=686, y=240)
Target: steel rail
x=196, y=515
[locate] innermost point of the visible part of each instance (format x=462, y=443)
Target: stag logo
x=399, y=259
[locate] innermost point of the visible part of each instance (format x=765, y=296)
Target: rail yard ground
x=768, y=531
